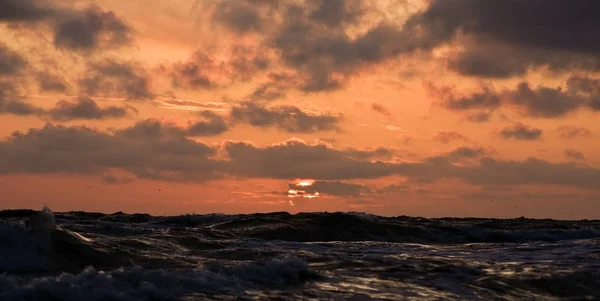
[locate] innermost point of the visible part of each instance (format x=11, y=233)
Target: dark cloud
x=213, y=125
x=381, y=109
x=92, y=29
x=325, y=58
x=447, y=137
x=268, y=92
x=244, y=66
x=337, y=188
x=18, y=107
x=486, y=99
x=314, y=40
x=506, y=38
x=51, y=82
x=520, y=131
x=117, y=79
x=545, y=102
x=338, y=12
x=541, y=101
x=295, y=159
x=114, y=180
x=82, y=108
x=160, y=155
x=239, y=16
x=152, y=129
x=11, y=62
x=570, y=132
x=574, y=154
x=87, y=108
x=24, y=10
x=194, y=73
x=288, y=118
x=85, y=30
x=158, y=151
x=529, y=171
x=275, y=88
x=381, y=153
x=465, y=153
x=460, y=155
x=394, y=189
x=11, y=103
x=479, y=117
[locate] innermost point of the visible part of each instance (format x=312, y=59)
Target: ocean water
x=306, y=256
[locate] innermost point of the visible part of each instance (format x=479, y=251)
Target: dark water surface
x=278, y=256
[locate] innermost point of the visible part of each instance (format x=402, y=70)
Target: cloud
x=574, y=154
x=18, y=107
x=447, y=137
x=295, y=159
x=317, y=39
x=203, y=69
x=92, y=29
x=153, y=128
x=11, y=62
x=507, y=38
x=338, y=12
x=86, y=30
x=109, y=77
x=394, y=189
x=465, y=153
x=288, y=118
x=194, y=73
x=570, y=132
x=239, y=16
x=540, y=102
x=520, y=131
x=51, y=82
x=311, y=38
x=87, y=108
x=379, y=108
x=545, y=102
x=479, y=117
x=214, y=125
x=24, y=10
x=158, y=151
x=11, y=103
x=143, y=151
x=326, y=57
x=114, y=180
x=268, y=92
x=82, y=108
x=486, y=99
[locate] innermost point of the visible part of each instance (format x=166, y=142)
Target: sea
x=304, y=256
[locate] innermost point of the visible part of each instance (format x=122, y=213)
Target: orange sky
x=389, y=107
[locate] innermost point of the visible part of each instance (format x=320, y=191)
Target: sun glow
x=300, y=189
x=305, y=183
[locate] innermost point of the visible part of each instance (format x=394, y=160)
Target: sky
x=394, y=107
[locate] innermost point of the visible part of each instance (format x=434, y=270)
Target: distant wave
x=338, y=226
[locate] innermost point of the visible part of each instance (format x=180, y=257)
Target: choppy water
x=278, y=256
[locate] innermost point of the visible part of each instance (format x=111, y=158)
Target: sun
x=305, y=183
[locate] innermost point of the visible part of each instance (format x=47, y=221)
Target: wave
x=95, y=256
x=37, y=244
x=138, y=283
x=337, y=226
